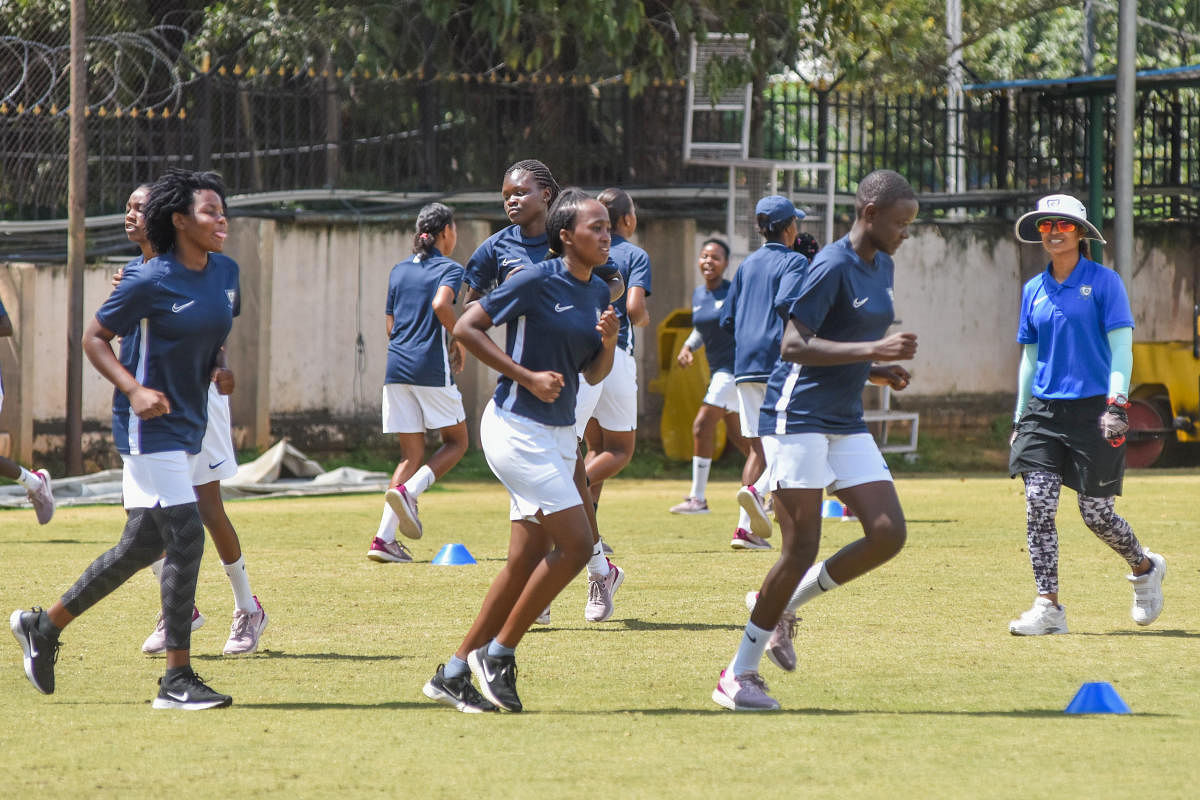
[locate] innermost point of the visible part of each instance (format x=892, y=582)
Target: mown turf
x=908, y=685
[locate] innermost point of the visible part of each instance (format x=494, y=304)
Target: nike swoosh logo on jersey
x=695, y=309
x=860, y=302
x=177, y=307
x=183, y=698
x=219, y=463
x=505, y=262
x=561, y=308
x=1039, y=300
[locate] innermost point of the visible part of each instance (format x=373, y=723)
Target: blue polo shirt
x=176, y=319
x=418, y=344
x=552, y=319
x=634, y=265
x=706, y=318
x=747, y=314
x=842, y=299
x=1069, y=322
x=501, y=253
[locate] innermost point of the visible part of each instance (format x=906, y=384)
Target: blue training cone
x=1097, y=698
x=831, y=509
x=453, y=555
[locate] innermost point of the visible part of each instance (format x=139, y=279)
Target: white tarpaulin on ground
x=282, y=471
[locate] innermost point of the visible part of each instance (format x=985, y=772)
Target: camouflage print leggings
x=1042, y=491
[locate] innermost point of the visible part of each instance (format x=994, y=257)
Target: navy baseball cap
x=777, y=209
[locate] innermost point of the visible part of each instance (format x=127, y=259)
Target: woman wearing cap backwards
x=1076, y=329
x=757, y=332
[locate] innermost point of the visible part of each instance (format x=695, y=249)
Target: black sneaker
x=41, y=651
x=497, y=678
x=457, y=692
x=184, y=689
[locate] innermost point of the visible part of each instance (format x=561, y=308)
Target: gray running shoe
x=745, y=692
x=458, y=693
x=41, y=651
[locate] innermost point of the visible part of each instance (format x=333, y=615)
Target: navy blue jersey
x=1069, y=322
x=3, y=313
x=634, y=265
x=552, y=318
x=747, y=314
x=177, y=320
x=842, y=299
x=706, y=318
x=418, y=352
x=500, y=254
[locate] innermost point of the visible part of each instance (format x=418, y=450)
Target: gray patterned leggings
x=1042, y=491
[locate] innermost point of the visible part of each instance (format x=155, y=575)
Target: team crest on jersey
x=232, y=295
x=1084, y=291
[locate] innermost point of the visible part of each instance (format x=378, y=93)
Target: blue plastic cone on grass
x=453, y=554
x=831, y=509
x=1098, y=697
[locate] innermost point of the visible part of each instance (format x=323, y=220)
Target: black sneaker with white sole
x=457, y=693
x=40, y=648
x=182, y=688
x=497, y=678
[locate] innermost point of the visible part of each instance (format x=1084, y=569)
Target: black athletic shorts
x=1063, y=437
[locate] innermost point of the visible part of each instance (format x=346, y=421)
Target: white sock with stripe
x=750, y=651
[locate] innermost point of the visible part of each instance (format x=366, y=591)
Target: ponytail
x=431, y=221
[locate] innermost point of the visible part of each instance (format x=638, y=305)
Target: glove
x=1114, y=422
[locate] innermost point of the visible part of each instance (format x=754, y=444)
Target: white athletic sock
x=597, y=566
x=750, y=651
x=29, y=480
x=700, y=470
x=421, y=480
x=743, y=519
x=387, y=525
x=243, y=598
x=814, y=584
x=156, y=568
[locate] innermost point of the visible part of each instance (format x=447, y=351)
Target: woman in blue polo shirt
x=812, y=415
x=720, y=402
x=419, y=392
x=559, y=325
x=1076, y=332
x=182, y=301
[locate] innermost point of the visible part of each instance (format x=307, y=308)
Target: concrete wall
x=309, y=349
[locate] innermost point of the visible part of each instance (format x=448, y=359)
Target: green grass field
x=909, y=684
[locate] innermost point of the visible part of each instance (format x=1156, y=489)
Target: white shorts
x=722, y=392
x=157, y=479
x=535, y=462
x=825, y=461
x=415, y=409
x=614, y=402
x=750, y=399
x=216, y=460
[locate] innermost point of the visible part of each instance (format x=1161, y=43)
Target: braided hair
x=541, y=176
x=431, y=221
x=175, y=192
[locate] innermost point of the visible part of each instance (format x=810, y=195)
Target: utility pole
x=1123, y=168
x=956, y=179
x=76, y=237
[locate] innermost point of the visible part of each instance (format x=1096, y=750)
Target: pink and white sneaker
x=599, y=605
x=389, y=552
x=405, y=506
x=745, y=692
x=745, y=540
x=752, y=504
x=247, y=628
x=691, y=505
x=156, y=642
x=42, y=498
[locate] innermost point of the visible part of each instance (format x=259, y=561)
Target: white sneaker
x=745, y=692
x=544, y=617
x=245, y=631
x=42, y=498
x=1147, y=591
x=752, y=504
x=1045, y=617
x=156, y=642
x=600, y=594
x=405, y=506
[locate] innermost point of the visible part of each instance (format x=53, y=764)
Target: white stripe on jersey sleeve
x=135, y=423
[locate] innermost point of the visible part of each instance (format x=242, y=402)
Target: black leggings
x=149, y=531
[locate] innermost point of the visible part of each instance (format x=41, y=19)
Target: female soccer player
x=1076, y=331
x=559, y=325
x=757, y=331
x=419, y=391
x=528, y=191
x=721, y=400
x=812, y=412
x=215, y=463
x=182, y=301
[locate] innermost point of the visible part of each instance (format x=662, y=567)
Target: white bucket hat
x=1056, y=206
